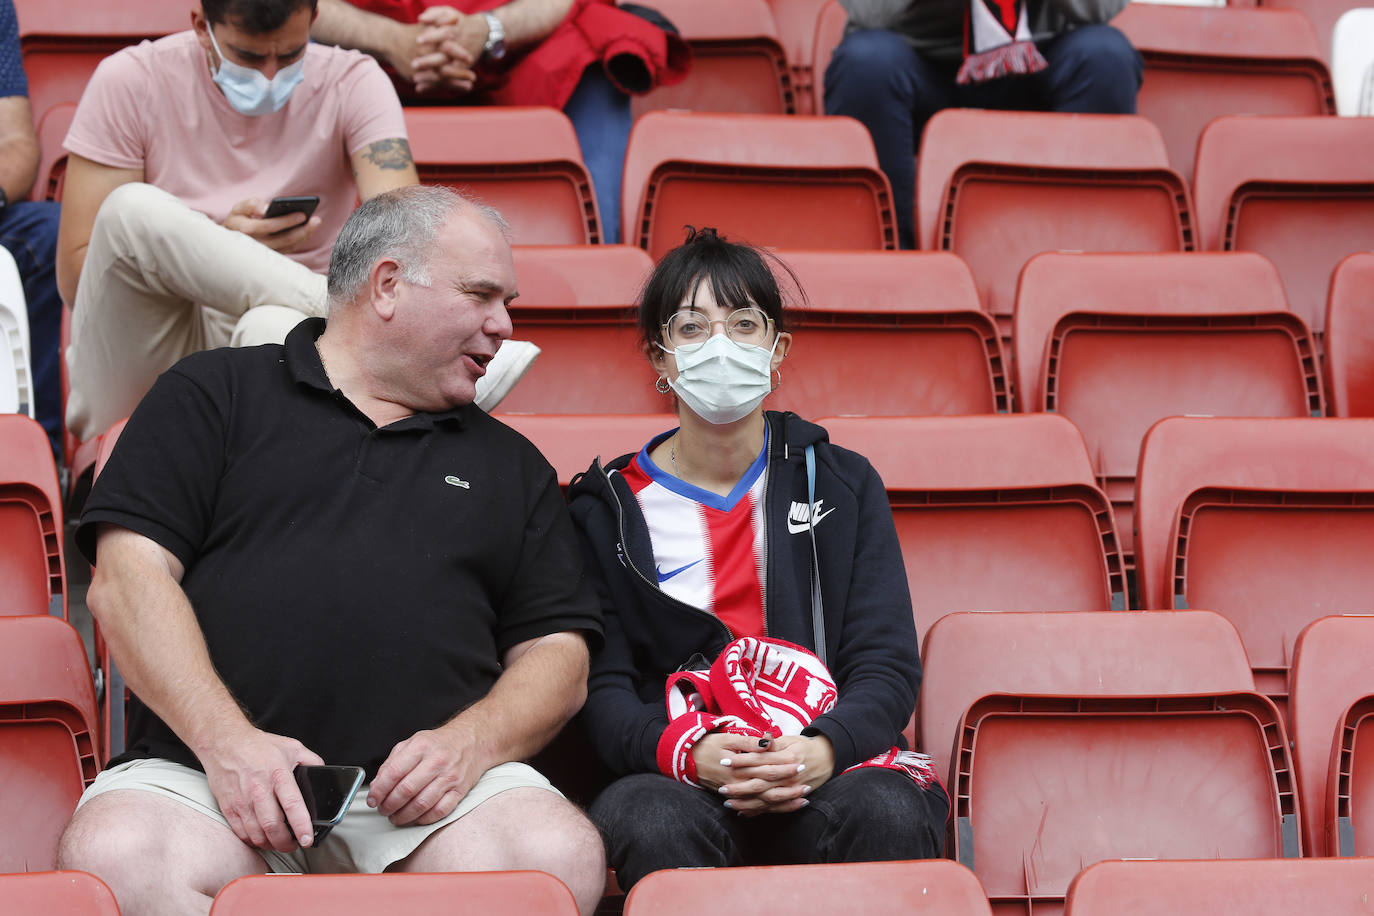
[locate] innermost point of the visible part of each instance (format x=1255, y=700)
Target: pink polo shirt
x=155, y=107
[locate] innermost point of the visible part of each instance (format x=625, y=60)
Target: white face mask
x=248, y=91
x=722, y=381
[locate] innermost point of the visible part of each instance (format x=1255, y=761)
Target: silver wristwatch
x=495, y=48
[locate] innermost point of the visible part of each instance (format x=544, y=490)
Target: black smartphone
x=327, y=791
x=280, y=206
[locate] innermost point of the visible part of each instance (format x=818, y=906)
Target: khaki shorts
x=364, y=841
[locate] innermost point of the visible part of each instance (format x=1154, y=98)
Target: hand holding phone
x=327, y=792
x=280, y=206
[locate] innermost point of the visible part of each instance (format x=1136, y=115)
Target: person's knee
x=909, y=819
x=1102, y=55
x=265, y=324
x=869, y=61
x=115, y=849
x=133, y=209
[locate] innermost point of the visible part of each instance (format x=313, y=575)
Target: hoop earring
x=779, y=382
x=662, y=386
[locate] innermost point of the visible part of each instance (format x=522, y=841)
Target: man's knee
x=115, y=842
x=132, y=210
x=265, y=324
x=1102, y=57
x=868, y=61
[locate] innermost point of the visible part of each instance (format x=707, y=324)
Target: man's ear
x=383, y=282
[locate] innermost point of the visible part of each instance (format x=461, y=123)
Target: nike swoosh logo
x=799, y=527
x=665, y=576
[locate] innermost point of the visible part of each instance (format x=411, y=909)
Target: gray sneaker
x=506, y=369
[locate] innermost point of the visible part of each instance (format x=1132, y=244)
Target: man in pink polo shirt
x=176, y=149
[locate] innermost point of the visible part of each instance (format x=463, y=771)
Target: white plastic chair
x=16, y=372
x=1352, y=62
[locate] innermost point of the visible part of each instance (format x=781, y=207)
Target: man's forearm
x=530, y=21
x=343, y=24
x=18, y=167
x=534, y=698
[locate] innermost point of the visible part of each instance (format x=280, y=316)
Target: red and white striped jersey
x=709, y=549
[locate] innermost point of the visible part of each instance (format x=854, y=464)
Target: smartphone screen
x=280, y=206
x=327, y=791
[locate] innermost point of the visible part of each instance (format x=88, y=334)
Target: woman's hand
x=713, y=753
x=778, y=779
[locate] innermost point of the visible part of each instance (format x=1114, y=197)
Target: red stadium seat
x=796, y=22
x=788, y=182
x=491, y=893
x=52, y=166
x=935, y=886
x=32, y=566
x=1204, y=62
x=1350, y=338
x=1256, y=887
x=63, y=42
x=994, y=513
x=968, y=656
x=571, y=441
x=113, y=696
x=1321, y=13
x=56, y=893
x=1350, y=783
x=49, y=750
x=1266, y=521
x=889, y=334
x=525, y=162
x=998, y=187
x=738, y=61
x=829, y=30
x=1115, y=342
x=580, y=274
x=1331, y=673
x=1049, y=785
x=1300, y=191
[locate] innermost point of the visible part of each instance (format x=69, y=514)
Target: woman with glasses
x=742, y=527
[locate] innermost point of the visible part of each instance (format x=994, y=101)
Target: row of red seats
x=1118, y=888
x=1068, y=738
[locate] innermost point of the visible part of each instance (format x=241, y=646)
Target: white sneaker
x=506, y=369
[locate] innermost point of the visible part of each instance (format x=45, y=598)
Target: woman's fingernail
x=724, y=790
x=801, y=768
x=730, y=804
x=725, y=761
x=806, y=790
x=805, y=802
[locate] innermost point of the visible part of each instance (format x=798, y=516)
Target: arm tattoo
x=393, y=153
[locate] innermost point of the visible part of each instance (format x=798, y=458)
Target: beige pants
x=364, y=841
x=160, y=282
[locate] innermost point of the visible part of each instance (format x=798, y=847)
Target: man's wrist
x=494, y=48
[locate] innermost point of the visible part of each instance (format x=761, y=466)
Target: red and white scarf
x=762, y=688
x=997, y=42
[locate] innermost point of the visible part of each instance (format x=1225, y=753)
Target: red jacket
x=636, y=54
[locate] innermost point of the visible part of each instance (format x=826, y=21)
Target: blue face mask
x=248, y=91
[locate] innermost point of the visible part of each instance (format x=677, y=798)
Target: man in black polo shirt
x=324, y=552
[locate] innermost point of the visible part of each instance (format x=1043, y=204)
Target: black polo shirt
x=354, y=584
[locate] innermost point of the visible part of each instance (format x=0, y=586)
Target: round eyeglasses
x=688, y=329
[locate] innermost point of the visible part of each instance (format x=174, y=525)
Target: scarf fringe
x=1018, y=58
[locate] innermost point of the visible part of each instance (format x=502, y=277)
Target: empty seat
x=796, y=23
x=787, y=182
x=997, y=187
x=32, y=567
x=1049, y=785
x=1331, y=673
x=1350, y=337
x=738, y=61
x=1115, y=342
x=52, y=164
x=996, y=513
x=969, y=656
x=931, y=886
x=494, y=892
x=525, y=162
x=1300, y=191
x=580, y=274
x=56, y=893
x=1258, y=887
x=1202, y=62
x=571, y=441
x=63, y=42
x=1268, y=521
x=830, y=27
x=890, y=334
x=1350, y=783
x=1323, y=14
x=48, y=740
x=1352, y=62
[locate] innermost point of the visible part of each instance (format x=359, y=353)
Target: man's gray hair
x=400, y=224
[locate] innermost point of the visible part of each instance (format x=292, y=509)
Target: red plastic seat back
x=525, y=162
x=1298, y=190
x=56, y=893
x=1260, y=887
x=1350, y=337
x=1321, y=13
x=968, y=656
x=738, y=60
x=931, y=886
x=993, y=513
x=1331, y=671
x=571, y=441
x=1205, y=62
x=52, y=166
x=1116, y=342
x=796, y=24
x=786, y=182
x=415, y=894
x=1350, y=783
x=888, y=334
x=31, y=552
x=1049, y=785
x=829, y=31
